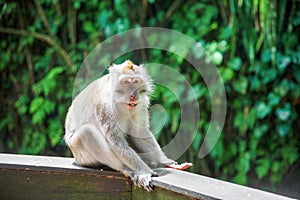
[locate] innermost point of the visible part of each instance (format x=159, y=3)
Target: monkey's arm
x=139, y=172
x=128, y=156
x=153, y=154
x=149, y=150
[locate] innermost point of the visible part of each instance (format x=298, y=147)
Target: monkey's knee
x=86, y=144
x=90, y=147
x=87, y=135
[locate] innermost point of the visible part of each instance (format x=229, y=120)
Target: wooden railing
x=42, y=177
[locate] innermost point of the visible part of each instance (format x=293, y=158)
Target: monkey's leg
x=89, y=147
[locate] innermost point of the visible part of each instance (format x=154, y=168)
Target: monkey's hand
x=182, y=166
x=143, y=180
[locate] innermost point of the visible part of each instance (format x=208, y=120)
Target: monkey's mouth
x=131, y=104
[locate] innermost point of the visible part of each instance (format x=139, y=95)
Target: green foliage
x=254, y=44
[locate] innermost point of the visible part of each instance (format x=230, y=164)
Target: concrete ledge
x=202, y=187
x=45, y=177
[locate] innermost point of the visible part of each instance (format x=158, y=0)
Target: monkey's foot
x=143, y=180
x=182, y=166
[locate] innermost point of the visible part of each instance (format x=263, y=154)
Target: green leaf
x=88, y=27
x=196, y=92
x=283, y=62
x=39, y=107
x=54, y=72
x=48, y=106
x=244, y=163
x=251, y=117
x=268, y=75
x=262, y=168
x=296, y=73
x=283, y=129
x=233, y=148
x=262, y=110
x=266, y=56
x=235, y=63
x=254, y=141
x=276, y=178
x=55, y=132
x=36, y=104
x=241, y=85
x=49, y=82
x=77, y=4
x=290, y=153
x=196, y=142
x=227, y=74
x=291, y=40
x=255, y=84
x=238, y=119
x=217, y=58
x=276, y=166
x=38, y=117
x=284, y=113
x=7, y=121
x=283, y=88
x=10, y=144
x=240, y=178
x=242, y=146
x=33, y=143
x=273, y=99
x=225, y=33
x=259, y=131
x=217, y=150
x=21, y=104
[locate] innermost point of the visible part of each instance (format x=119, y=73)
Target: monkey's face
x=131, y=86
x=131, y=93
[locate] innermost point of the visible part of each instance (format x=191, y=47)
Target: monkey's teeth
x=131, y=104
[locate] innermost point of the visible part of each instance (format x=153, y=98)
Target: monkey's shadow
x=102, y=167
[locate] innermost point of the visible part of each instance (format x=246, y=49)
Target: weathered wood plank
x=24, y=184
x=44, y=177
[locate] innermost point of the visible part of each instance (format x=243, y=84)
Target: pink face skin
x=132, y=88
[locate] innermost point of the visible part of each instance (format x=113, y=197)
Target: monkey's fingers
x=150, y=187
x=144, y=181
x=182, y=166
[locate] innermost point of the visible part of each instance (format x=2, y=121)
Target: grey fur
x=101, y=128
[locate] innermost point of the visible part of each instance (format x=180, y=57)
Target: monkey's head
x=131, y=84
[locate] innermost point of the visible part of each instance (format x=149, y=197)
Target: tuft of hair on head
x=128, y=67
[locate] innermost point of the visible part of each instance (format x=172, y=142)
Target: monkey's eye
x=119, y=91
x=143, y=91
x=125, y=82
x=136, y=81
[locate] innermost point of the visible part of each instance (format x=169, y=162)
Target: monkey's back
x=81, y=110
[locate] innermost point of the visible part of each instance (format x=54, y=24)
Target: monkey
x=108, y=123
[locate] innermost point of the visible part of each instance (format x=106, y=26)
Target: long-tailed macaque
x=108, y=123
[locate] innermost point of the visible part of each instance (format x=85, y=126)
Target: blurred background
x=254, y=44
